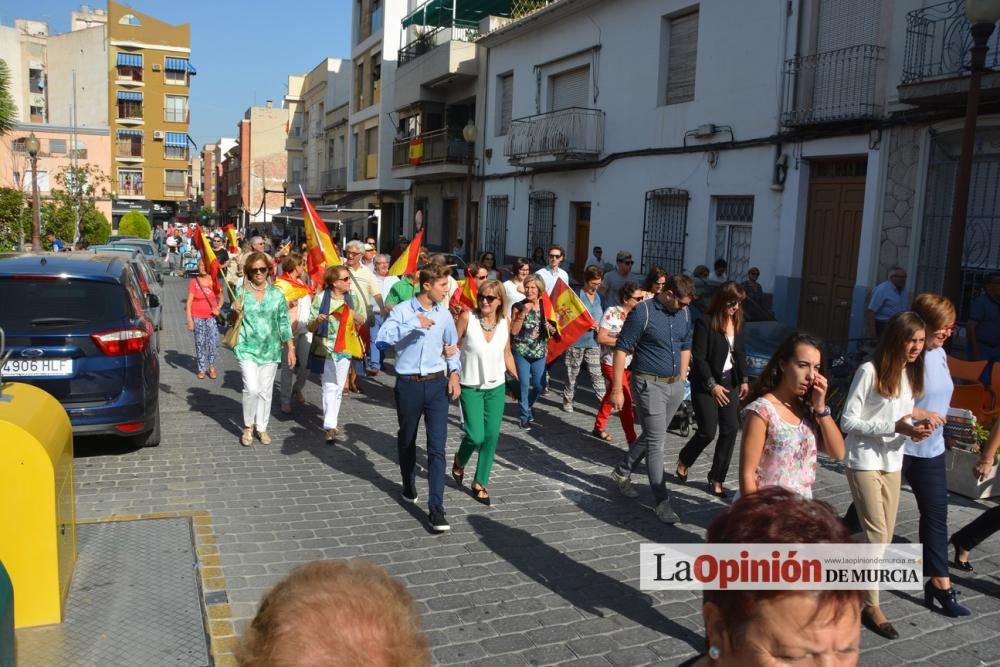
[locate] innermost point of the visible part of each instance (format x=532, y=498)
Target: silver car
x=149, y=251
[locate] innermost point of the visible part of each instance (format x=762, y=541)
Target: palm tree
x=8, y=110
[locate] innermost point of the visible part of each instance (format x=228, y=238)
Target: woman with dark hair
x=515, y=286
x=787, y=420
x=489, y=261
x=323, y=322
x=770, y=627
x=718, y=383
x=204, y=302
x=655, y=281
x=607, y=335
x=877, y=420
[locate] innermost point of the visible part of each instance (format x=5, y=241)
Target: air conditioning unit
x=158, y=134
x=156, y=68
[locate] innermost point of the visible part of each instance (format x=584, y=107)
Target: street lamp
x=983, y=15
x=32, y=145
x=469, y=133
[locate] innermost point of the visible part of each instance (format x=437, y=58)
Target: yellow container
x=38, y=529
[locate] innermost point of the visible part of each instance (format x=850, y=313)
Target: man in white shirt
x=364, y=292
x=596, y=258
x=614, y=280
x=385, y=283
x=549, y=274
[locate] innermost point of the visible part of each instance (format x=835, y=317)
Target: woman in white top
x=877, y=420
x=484, y=337
x=515, y=286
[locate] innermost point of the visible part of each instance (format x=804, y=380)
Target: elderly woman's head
x=769, y=627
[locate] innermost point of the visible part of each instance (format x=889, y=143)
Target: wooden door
x=581, y=238
x=451, y=223
x=833, y=234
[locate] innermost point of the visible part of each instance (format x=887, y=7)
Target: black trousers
x=711, y=417
x=978, y=529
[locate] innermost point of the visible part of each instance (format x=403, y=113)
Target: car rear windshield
x=40, y=304
x=146, y=249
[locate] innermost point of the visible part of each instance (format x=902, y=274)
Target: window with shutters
x=679, y=56
x=57, y=146
x=505, y=103
x=175, y=182
x=569, y=89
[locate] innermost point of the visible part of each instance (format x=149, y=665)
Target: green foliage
x=14, y=218
x=8, y=110
x=206, y=213
x=96, y=228
x=134, y=223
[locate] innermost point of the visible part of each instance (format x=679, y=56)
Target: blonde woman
x=485, y=342
x=336, y=368
x=530, y=333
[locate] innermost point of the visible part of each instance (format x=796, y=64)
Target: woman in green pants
x=485, y=340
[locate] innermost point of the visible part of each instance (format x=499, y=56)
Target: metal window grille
x=541, y=220
x=494, y=237
x=664, y=230
x=733, y=219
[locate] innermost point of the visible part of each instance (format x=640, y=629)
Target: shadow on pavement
x=640, y=519
x=227, y=412
x=580, y=585
x=176, y=359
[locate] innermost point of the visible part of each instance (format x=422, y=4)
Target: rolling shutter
x=569, y=89
x=682, y=57
x=506, y=104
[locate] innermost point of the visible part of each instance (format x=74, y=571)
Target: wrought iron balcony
x=446, y=146
x=938, y=39
x=833, y=87
x=335, y=179
x=567, y=135
x=458, y=30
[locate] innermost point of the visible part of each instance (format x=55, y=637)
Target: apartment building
x=149, y=87
x=255, y=168
x=209, y=177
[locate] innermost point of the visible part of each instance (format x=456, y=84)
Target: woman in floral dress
x=529, y=339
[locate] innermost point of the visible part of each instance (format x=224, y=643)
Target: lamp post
x=32, y=145
x=983, y=15
x=469, y=133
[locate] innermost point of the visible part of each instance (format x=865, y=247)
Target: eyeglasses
x=488, y=298
x=352, y=253
x=258, y=269
x=344, y=278
x=483, y=277
x=626, y=261
x=637, y=298
x=554, y=256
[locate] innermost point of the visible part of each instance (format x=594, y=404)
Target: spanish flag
x=466, y=294
x=293, y=288
x=208, y=256
x=571, y=317
x=234, y=244
x=320, y=251
x=407, y=262
x=347, y=341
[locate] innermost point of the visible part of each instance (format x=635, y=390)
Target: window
x=681, y=53
x=20, y=145
x=80, y=151
x=129, y=105
x=664, y=230
x=57, y=146
x=733, y=229
x=130, y=182
x=297, y=124
x=541, y=220
x=176, y=182
x=371, y=148
x=176, y=109
x=43, y=180
x=569, y=89
x=129, y=66
x=129, y=19
x=359, y=87
x=494, y=237
x=505, y=103
x=129, y=143
x=36, y=81
x=176, y=70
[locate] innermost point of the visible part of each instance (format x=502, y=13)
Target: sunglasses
x=258, y=269
x=351, y=253
x=488, y=298
x=555, y=256
x=733, y=304
x=483, y=277
x=344, y=278
x=637, y=298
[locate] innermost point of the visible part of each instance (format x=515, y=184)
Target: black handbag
x=221, y=321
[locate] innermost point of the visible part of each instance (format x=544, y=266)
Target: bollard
x=38, y=534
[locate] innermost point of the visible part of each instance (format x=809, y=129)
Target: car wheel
x=152, y=438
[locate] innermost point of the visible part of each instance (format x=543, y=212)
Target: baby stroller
x=684, y=417
x=189, y=263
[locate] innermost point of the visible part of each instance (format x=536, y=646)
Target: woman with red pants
x=611, y=324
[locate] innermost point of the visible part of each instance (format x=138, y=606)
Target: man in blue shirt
x=657, y=333
x=888, y=298
x=427, y=367
x=983, y=327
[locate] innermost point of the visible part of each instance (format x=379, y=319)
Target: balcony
x=833, y=87
x=431, y=38
x=335, y=180
x=936, y=58
x=128, y=150
x=568, y=135
x=431, y=155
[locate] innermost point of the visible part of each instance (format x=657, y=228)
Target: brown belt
x=422, y=378
x=659, y=378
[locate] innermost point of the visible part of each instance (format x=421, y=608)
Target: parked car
x=148, y=249
x=144, y=273
x=78, y=326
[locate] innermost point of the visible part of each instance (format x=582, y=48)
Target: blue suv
x=77, y=326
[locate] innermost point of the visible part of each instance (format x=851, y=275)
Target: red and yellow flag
x=208, y=256
x=293, y=288
x=234, y=243
x=347, y=341
x=571, y=317
x=320, y=251
x=407, y=262
x=466, y=294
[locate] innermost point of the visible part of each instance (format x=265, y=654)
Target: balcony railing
x=462, y=31
x=129, y=149
x=938, y=39
x=575, y=133
x=335, y=179
x=430, y=148
x=833, y=86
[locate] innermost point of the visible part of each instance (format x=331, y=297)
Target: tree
x=134, y=223
x=206, y=214
x=8, y=110
x=95, y=226
x=13, y=221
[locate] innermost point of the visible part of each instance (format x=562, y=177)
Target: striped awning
x=176, y=139
x=179, y=65
x=130, y=59
x=129, y=96
x=129, y=133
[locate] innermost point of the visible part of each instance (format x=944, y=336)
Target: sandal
x=457, y=471
x=201, y=375
x=480, y=494
x=601, y=434
x=212, y=373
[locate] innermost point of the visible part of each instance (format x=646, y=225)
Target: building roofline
x=45, y=127
x=536, y=19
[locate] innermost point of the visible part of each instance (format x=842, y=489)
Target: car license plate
x=38, y=368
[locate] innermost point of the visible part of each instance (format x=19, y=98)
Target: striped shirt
x=655, y=338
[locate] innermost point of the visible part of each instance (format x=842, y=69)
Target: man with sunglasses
x=551, y=272
x=479, y=275
x=657, y=333
x=614, y=280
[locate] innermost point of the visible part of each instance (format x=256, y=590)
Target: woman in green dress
x=265, y=327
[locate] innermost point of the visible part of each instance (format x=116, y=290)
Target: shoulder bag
x=232, y=336
x=317, y=348
x=220, y=319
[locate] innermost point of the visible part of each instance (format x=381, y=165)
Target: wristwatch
x=711, y=384
x=825, y=412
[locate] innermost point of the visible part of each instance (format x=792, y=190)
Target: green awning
x=438, y=13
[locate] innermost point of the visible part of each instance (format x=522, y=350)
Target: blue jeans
x=429, y=399
x=531, y=374
x=374, y=354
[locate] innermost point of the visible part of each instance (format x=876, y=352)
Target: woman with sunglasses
x=265, y=327
x=655, y=281
x=489, y=261
x=203, y=306
x=530, y=334
x=585, y=351
x=484, y=337
x=607, y=334
x=515, y=286
x=336, y=368
x=718, y=384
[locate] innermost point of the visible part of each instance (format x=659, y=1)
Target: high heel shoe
x=958, y=564
x=946, y=597
x=480, y=494
x=677, y=472
x=457, y=471
x=882, y=629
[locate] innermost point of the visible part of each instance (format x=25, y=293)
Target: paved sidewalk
x=547, y=575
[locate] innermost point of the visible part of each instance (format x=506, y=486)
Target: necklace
x=258, y=289
x=488, y=328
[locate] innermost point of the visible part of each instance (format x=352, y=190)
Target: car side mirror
x=153, y=301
